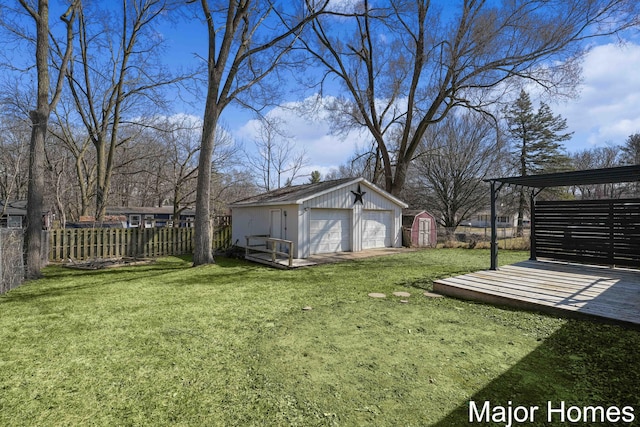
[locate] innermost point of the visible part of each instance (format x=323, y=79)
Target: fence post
x=291, y=254
x=273, y=251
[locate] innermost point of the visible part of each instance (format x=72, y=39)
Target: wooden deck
x=608, y=293
x=280, y=262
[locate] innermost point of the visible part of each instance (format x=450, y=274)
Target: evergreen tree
x=315, y=177
x=535, y=142
x=630, y=155
x=631, y=150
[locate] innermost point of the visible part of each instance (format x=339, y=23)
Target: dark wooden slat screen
x=589, y=231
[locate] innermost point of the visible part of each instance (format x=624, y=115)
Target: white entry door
x=329, y=230
x=275, y=223
x=376, y=230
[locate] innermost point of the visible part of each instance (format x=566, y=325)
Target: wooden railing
x=269, y=246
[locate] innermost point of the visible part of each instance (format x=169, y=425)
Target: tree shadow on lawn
x=55, y=281
x=584, y=363
x=56, y=278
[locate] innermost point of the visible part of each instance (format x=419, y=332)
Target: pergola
x=539, y=182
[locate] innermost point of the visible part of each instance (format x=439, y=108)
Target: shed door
x=275, y=225
x=376, y=230
x=424, y=232
x=329, y=230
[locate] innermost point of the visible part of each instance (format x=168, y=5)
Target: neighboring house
x=342, y=215
x=483, y=219
x=419, y=228
x=149, y=217
x=15, y=215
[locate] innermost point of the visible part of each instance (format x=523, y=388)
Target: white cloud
x=608, y=108
x=310, y=132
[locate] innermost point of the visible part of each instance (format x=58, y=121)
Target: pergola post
x=494, y=228
x=532, y=228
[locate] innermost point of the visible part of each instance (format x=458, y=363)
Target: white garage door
x=376, y=230
x=329, y=231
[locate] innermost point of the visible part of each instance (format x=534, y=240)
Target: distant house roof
x=298, y=194
x=18, y=207
x=142, y=210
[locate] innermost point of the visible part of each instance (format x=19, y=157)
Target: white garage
x=332, y=216
x=329, y=231
x=377, y=229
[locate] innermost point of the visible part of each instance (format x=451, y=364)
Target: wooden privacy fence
x=92, y=243
x=588, y=231
x=221, y=232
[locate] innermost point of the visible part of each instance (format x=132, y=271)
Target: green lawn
x=229, y=344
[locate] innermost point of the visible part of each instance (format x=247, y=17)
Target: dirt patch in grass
x=100, y=263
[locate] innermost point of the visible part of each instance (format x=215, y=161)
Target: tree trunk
x=202, y=248
x=83, y=185
x=33, y=234
x=101, y=178
x=39, y=119
x=400, y=177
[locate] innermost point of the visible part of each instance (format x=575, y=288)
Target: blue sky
x=606, y=111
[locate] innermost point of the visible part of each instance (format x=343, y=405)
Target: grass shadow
x=55, y=280
x=580, y=358
x=591, y=363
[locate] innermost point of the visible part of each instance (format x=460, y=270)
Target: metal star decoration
x=358, y=195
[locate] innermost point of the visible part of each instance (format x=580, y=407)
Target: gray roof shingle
x=293, y=194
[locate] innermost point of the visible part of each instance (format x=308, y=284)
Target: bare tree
x=61, y=183
x=121, y=85
x=47, y=98
x=139, y=167
x=274, y=159
x=453, y=159
x=404, y=65
x=14, y=154
x=73, y=138
x=597, y=158
x=247, y=41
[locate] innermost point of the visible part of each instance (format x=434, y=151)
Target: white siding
x=343, y=198
x=251, y=221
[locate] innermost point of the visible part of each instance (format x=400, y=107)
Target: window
x=134, y=220
x=14, y=221
x=149, y=221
